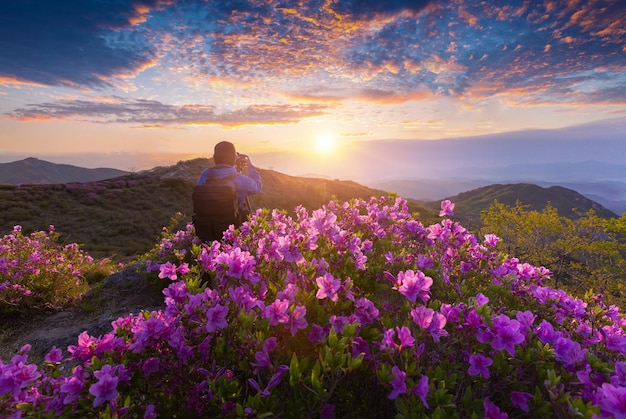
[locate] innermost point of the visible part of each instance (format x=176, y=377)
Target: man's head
x=224, y=153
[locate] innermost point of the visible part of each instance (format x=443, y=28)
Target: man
x=210, y=221
x=225, y=158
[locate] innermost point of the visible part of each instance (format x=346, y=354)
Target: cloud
x=367, y=9
x=152, y=113
x=385, y=52
x=380, y=96
x=73, y=42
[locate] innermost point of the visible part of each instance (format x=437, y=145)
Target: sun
x=325, y=143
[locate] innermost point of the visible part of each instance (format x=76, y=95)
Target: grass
x=123, y=217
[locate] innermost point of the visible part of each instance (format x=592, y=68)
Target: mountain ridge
x=469, y=204
x=124, y=216
x=34, y=170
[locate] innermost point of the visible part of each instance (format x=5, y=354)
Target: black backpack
x=215, y=207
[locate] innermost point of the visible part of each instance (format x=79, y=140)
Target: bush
x=38, y=273
x=352, y=310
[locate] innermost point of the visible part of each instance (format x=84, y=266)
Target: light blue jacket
x=246, y=185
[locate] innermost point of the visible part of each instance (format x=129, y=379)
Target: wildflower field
x=356, y=309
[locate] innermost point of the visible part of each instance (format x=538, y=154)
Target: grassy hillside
x=470, y=204
x=123, y=217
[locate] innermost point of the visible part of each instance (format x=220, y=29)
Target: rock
x=118, y=295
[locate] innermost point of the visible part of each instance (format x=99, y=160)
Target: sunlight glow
x=325, y=143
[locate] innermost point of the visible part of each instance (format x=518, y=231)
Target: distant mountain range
x=32, y=170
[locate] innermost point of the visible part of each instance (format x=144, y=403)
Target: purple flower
x=421, y=390
x=424, y=262
x=183, y=269
x=526, y=319
x=298, y=319
x=106, y=387
x=507, y=334
x=405, y=338
x=492, y=411
x=491, y=240
x=438, y=232
x=55, y=355
x=612, y=400
x=447, y=208
x=366, y=311
x=481, y=299
x=168, y=270
x=437, y=325
x=277, y=312
x=216, y=318
x=316, y=334
x=545, y=332
x=329, y=286
x=520, y=399
x=479, y=364
x=150, y=365
x=568, y=351
x=414, y=284
x=277, y=377
x=473, y=319
x=150, y=412
x=398, y=383
x=72, y=387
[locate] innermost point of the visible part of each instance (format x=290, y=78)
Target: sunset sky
x=171, y=78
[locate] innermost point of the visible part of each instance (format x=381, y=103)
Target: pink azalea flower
x=491, y=240
x=422, y=316
x=507, y=334
x=298, y=319
x=447, y=208
x=437, y=325
x=168, y=270
x=438, y=232
x=55, y=355
x=405, y=338
x=612, y=400
x=72, y=387
x=216, y=318
x=105, y=389
x=329, y=286
x=277, y=312
x=413, y=285
x=183, y=269
x=481, y=299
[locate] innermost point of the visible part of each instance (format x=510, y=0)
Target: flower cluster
x=36, y=272
x=353, y=310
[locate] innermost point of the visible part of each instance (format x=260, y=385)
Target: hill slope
x=469, y=204
x=32, y=170
x=124, y=216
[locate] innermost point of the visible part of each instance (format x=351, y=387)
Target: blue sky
x=171, y=78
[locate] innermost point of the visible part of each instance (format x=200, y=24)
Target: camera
x=241, y=162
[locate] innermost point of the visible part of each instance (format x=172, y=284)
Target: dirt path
x=120, y=294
